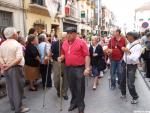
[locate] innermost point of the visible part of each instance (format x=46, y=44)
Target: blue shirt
x=44, y=49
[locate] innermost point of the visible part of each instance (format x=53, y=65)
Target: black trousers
x=131, y=70
x=148, y=69
x=76, y=81
x=43, y=70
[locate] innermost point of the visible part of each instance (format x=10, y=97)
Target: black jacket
x=31, y=53
x=99, y=60
x=55, y=50
x=146, y=55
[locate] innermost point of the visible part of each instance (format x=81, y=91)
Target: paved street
x=103, y=100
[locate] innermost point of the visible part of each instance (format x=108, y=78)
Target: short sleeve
x=84, y=49
x=48, y=48
x=19, y=52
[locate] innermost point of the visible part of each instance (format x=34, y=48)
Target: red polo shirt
x=75, y=52
x=116, y=46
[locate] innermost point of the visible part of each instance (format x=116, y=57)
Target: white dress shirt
x=136, y=51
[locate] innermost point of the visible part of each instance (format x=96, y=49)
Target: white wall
x=17, y=15
x=145, y=15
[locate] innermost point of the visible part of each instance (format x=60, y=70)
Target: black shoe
x=58, y=94
x=13, y=108
x=81, y=112
x=113, y=87
x=134, y=101
x=65, y=97
x=31, y=89
x=72, y=107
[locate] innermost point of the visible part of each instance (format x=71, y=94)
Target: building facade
x=86, y=15
x=142, y=18
x=11, y=14
x=42, y=16
x=69, y=12
x=107, y=21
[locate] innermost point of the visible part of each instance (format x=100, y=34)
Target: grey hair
x=42, y=38
x=94, y=37
x=9, y=32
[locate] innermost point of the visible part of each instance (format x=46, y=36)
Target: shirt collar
x=135, y=42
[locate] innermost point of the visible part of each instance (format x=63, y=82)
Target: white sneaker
x=134, y=101
x=123, y=97
x=102, y=74
x=24, y=110
x=94, y=87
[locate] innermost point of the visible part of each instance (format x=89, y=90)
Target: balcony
x=38, y=2
x=38, y=7
x=93, y=5
x=88, y=2
x=71, y=11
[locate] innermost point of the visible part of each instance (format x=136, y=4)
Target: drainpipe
x=24, y=18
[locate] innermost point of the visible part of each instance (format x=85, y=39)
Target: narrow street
x=103, y=100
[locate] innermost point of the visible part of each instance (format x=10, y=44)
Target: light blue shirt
x=42, y=50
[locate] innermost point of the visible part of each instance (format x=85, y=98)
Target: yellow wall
x=32, y=18
x=34, y=14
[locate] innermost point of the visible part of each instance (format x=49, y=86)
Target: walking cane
x=61, y=101
x=60, y=89
x=126, y=72
x=109, y=77
x=45, y=88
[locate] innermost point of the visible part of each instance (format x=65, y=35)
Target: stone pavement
x=103, y=100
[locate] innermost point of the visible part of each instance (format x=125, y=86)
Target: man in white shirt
x=12, y=62
x=131, y=59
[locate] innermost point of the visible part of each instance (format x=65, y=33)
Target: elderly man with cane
x=12, y=62
x=77, y=61
x=131, y=59
x=56, y=47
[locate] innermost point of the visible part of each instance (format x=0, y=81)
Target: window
x=5, y=19
x=39, y=2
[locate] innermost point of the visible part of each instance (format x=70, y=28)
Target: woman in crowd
x=97, y=60
x=146, y=55
x=32, y=62
x=31, y=31
x=44, y=50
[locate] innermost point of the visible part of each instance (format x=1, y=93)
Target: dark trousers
x=148, y=69
x=131, y=71
x=15, y=84
x=43, y=70
x=77, y=86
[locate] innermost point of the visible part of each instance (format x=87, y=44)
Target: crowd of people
x=71, y=58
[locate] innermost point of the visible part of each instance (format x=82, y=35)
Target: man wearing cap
x=76, y=56
x=12, y=62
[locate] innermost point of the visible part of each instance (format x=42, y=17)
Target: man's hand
x=109, y=51
x=87, y=72
x=126, y=50
x=60, y=59
x=5, y=67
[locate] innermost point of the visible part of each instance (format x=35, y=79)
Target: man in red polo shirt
x=116, y=54
x=76, y=55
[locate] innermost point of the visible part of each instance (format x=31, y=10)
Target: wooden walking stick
x=45, y=88
x=126, y=72
x=60, y=73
